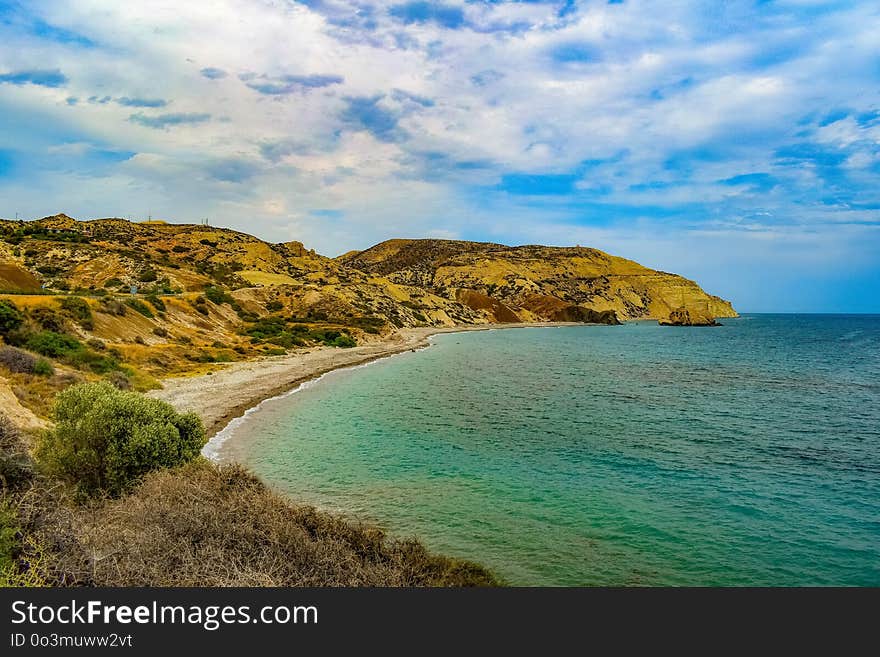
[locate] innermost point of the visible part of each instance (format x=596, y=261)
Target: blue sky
x=736, y=143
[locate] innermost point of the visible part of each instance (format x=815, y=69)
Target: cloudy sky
x=737, y=143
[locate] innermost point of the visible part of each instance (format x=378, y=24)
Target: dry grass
x=266, y=278
x=16, y=278
x=203, y=525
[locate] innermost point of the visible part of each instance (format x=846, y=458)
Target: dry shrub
x=46, y=522
x=10, y=436
x=203, y=525
x=119, y=380
x=16, y=467
x=17, y=360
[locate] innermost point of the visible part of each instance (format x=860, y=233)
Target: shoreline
x=229, y=394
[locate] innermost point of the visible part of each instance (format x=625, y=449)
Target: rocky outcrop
x=585, y=315
x=478, y=301
x=683, y=317
x=20, y=416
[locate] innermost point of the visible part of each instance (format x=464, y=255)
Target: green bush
x=344, y=341
x=287, y=340
x=148, y=275
x=71, y=351
x=10, y=317
x=218, y=295
x=43, y=367
x=332, y=338
x=139, y=306
x=79, y=309
x=266, y=327
x=52, y=344
x=86, y=359
x=156, y=302
x=48, y=319
x=105, y=439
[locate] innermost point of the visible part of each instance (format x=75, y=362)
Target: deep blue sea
x=747, y=454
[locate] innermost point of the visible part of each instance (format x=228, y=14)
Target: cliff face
x=395, y=283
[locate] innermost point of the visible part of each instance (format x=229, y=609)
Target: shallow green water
x=746, y=454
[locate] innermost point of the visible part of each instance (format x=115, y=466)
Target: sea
x=636, y=455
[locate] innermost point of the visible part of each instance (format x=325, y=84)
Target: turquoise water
x=635, y=455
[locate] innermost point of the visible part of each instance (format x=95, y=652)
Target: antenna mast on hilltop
x=205, y=222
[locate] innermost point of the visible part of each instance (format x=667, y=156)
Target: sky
x=736, y=143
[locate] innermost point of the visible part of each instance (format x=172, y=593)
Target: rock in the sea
x=683, y=317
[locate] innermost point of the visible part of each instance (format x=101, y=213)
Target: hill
x=143, y=301
x=534, y=283
x=403, y=282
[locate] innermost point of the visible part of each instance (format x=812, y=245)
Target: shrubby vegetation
x=113, y=306
x=333, y=338
x=156, y=302
x=179, y=526
x=15, y=464
x=140, y=306
x=20, y=361
x=106, y=439
x=148, y=275
x=10, y=317
x=279, y=331
x=79, y=310
x=52, y=344
x=46, y=331
x=71, y=351
x=218, y=295
x=8, y=531
x=48, y=319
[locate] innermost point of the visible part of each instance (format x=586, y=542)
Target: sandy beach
x=226, y=394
